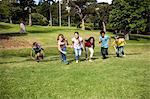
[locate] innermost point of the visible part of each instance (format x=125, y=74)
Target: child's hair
x=76, y=33
x=93, y=41
x=34, y=43
x=61, y=36
x=88, y=40
x=102, y=32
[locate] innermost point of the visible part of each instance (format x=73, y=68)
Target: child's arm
x=59, y=48
x=66, y=41
x=114, y=45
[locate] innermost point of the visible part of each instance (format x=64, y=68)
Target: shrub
x=38, y=19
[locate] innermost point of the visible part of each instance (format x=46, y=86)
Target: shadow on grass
x=5, y=26
x=70, y=58
x=47, y=30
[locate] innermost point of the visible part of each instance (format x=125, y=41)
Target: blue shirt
x=104, y=41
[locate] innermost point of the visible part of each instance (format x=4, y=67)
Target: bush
x=38, y=19
x=137, y=37
x=89, y=26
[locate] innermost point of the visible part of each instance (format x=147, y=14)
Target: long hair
x=61, y=36
x=93, y=41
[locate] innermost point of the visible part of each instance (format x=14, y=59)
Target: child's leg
x=86, y=52
x=122, y=50
x=64, y=58
x=37, y=56
x=76, y=54
x=79, y=52
x=106, y=51
x=117, y=51
x=91, y=52
x=103, y=52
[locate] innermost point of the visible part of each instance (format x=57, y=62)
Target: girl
x=89, y=45
x=77, y=42
x=62, y=42
x=38, y=51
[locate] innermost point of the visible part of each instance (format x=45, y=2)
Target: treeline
x=125, y=15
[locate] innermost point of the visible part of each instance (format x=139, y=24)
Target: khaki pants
x=91, y=51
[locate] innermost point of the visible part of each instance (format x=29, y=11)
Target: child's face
x=103, y=34
x=60, y=38
x=76, y=35
x=117, y=39
x=92, y=40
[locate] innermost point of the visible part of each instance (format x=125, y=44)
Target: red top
x=88, y=44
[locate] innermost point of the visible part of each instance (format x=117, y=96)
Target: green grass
x=113, y=78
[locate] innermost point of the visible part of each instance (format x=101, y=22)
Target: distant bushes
x=137, y=37
x=38, y=19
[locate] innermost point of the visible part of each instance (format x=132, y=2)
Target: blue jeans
x=78, y=53
x=63, y=56
x=104, y=52
x=119, y=50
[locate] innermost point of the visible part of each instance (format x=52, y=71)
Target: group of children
x=79, y=45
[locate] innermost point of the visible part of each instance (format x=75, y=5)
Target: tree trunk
x=104, y=27
x=10, y=20
x=83, y=25
x=50, y=15
x=30, y=20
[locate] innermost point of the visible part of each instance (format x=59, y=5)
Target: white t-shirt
x=77, y=42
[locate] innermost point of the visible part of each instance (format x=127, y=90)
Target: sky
x=109, y=1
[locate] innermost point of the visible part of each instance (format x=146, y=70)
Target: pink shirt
x=77, y=42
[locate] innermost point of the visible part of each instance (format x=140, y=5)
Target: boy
x=119, y=46
x=104, y=41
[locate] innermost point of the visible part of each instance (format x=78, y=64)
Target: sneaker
x=77, y=61
x=90, y=60
x=123, y=55
x=67, y=63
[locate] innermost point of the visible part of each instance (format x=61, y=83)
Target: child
x=78, y=45
x=119, y=46
x=38, y=50
x=104, y=40
x=89, y=44
x=62, y=42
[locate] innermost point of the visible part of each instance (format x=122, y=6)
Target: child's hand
x=64, y=52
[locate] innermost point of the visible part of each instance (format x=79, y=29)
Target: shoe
x=77, y=61
x=67, y=63
x=90, y=60
x=123, y=55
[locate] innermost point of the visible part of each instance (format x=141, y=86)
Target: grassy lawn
x=113, y=78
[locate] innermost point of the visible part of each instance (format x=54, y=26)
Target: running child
x=104, y=41
x=89, y=45
x=77, y=42
x=118, y=45
x=62, y=43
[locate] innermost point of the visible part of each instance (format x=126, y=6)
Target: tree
x=6, y=9
x=27, y=5
x=103, y=10
x=80, y=8
x=44, y=8
x=129, y=15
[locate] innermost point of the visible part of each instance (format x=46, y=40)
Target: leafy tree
x=27, y=6
x=7, y=9
x=80, y=8
x=129, y=15
x=103, y=10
